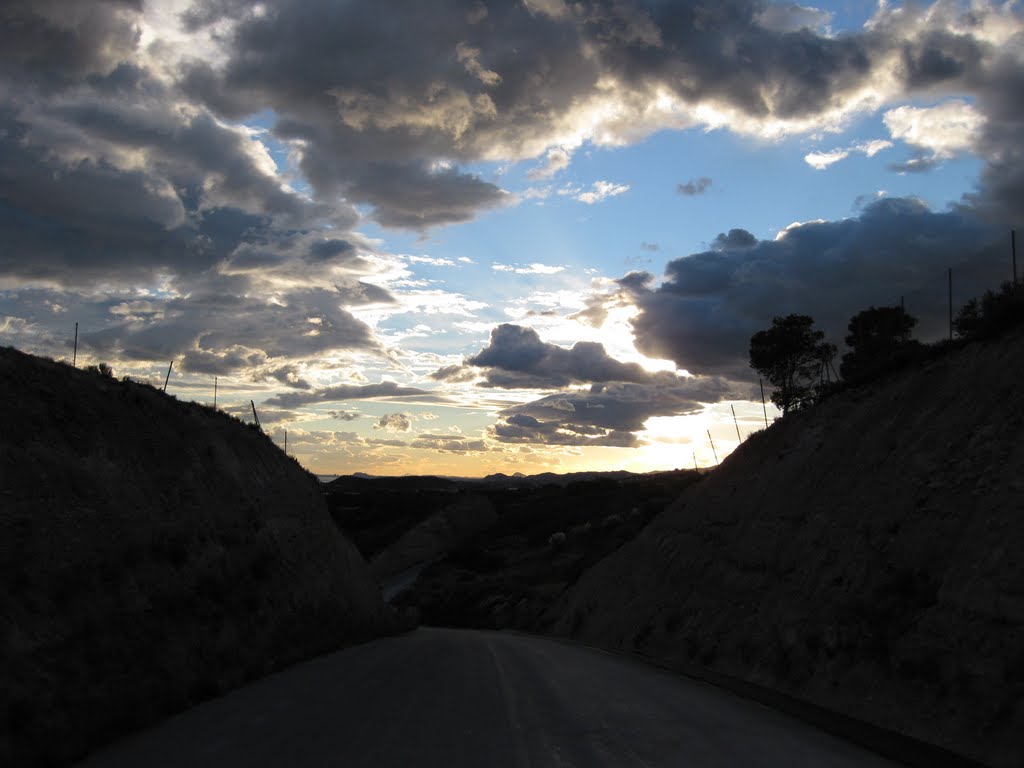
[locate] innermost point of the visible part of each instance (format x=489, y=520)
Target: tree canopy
x=791, y=355
x=879, y=340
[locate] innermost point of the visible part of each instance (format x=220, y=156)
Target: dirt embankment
x=866, y=556
x=153, y=554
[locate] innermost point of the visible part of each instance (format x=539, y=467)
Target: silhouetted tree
x=102, y=369
x=994, y=313
x=879, y=341
x=792, y=356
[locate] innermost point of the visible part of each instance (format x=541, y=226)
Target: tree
x=993, y=314
x=102, y=369
x=879, y=341
x=792, y=356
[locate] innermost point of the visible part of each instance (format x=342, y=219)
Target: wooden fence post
x=763, y=406
x=950, y=273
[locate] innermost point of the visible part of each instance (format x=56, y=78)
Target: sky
x=464, y=237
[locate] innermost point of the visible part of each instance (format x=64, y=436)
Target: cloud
x=822, y=160
x=431, y=260
x=516, y=358
x=459, y=444
x=394, y=422
x=386, y=390
x=608, y=414
x=650, y=247
x=345, y=415
x=599, y=190
x=530, y=269
x=792, y=17
x=694, y=187
x=733, y=239
x=945, y=128
x=219, y=330
x=703, y=315
x=132, y=191
x=555, y=160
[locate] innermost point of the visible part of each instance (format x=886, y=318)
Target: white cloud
x=792, y=17
x=535, y=193
x=872, y=148
x=530, y=269
x=599, y=190
x=822, y=160
x=944, y=129
x=436, y=262
x=555, y=160
x=469, y=57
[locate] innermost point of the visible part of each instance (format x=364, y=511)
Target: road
x=440, y=697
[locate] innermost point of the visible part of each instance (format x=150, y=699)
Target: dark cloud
x=1001, y=190
x=736, y=238
x=267, y=415
x=919, y=163
x=221, y=330
x=703, y=314
x=940, y=57
x=119, y=172
x=345, y=415
x=286, y=374
x=516, y=358
x=112, y=180
x=56, y=42
x=445, y=83
x=694, y=187
x=459, y=444
x=386, y=390
x=331, y=249
x=607, y=414
x=454, y=374
x=394, y=422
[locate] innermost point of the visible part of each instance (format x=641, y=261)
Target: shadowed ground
x=473, y=698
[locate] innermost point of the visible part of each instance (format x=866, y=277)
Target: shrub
x=995, y=313
x=102, y=369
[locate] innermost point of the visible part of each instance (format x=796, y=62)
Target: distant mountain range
x=515, y=480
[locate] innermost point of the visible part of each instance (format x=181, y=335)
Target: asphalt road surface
x=440, y=697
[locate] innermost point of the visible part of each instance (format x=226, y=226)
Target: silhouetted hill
x=866, y=556
x=153, y=553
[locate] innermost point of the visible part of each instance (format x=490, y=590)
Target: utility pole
x=695, y=463
x=713, y=451
x=286, y=442
x=950, y=303
x=255, y=417
x=215, y=393
x=168, y=377
x=1013, y=250
x=763, y=406
x=74, y=355
x=733, y=409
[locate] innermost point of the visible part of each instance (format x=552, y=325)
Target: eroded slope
x=153, y=553
x=867, y=556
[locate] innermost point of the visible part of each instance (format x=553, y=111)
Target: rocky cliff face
x=866, y=556
x=153, y=554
